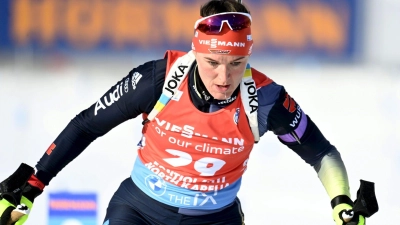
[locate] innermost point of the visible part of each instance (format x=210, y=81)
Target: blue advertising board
x=323, y=28
x=72, y=208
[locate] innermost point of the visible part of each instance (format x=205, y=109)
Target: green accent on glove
x=361, y=220
x=4, y=204
x=24, y=207
x=29, y=204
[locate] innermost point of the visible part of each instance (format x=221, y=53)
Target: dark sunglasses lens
x=208, y=28
x=213, y=24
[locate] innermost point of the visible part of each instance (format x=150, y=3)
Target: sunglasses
x=213, y=24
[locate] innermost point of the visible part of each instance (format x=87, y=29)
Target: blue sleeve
x=280, y=113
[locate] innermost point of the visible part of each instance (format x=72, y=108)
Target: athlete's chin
x=222, y=96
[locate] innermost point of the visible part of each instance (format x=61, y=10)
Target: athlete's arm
x=281, y=114
x=135, y=94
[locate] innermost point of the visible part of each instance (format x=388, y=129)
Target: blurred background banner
x=287, y=28
x=67, y=208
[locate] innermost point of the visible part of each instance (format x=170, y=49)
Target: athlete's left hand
x=344, y=215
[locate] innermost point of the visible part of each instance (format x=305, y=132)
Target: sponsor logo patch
x=155, y=184
x=135, y=79
x=236, y=115
x=177, y=96
x=252, y=92
x=289, y=104
x=172, y=84
x=219, y=51
x=249, y=37
x=50, y=149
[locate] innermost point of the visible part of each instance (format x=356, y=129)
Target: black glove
x=17, y=193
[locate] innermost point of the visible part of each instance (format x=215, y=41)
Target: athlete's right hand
x=17, y=193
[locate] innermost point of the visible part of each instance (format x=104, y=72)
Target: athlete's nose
x=223, y=74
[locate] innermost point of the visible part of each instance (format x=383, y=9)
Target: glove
x=343, y=214
x=17, y=193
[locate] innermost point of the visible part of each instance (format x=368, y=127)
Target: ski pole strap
x=341, y=199
x=366, y=203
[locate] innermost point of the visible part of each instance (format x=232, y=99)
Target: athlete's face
x=221, y=74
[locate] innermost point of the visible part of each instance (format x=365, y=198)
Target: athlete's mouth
x=222, y=88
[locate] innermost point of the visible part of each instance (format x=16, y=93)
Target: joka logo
x=252, y=92
x=173, y=82
x=289, y=103
x=156, y=184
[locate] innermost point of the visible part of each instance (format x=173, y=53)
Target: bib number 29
x=206, y=166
